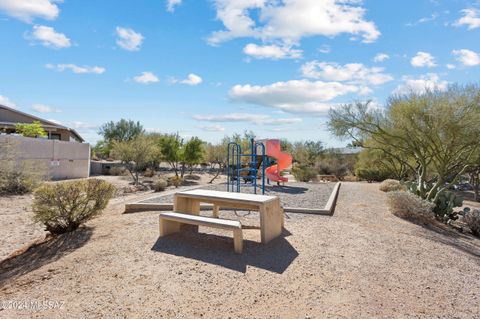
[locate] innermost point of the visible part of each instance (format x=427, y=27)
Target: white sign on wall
x=55, y=162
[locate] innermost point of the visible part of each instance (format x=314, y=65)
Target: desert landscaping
x=264, y=159
x=360, y=262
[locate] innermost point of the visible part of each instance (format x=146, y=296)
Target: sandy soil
x=362, y=262
x=18, y=229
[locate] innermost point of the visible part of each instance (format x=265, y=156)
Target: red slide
x=284, y=161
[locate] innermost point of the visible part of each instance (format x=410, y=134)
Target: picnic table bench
x=188, y=203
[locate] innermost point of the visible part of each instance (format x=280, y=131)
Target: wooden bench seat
x=170, y=223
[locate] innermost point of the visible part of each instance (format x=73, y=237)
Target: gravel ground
x=16, y=224
x=362, y=262
x=304, y=195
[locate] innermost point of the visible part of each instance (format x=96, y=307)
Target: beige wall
x=62, y=160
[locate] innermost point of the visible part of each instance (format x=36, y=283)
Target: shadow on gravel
x=275, y=256
x=453, y=238
x=286, y=189
x=42, y=253
x=189, y=183
x=192, y=177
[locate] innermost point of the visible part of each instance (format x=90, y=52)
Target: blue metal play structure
x=248, y=171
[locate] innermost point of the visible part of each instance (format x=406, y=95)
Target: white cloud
x=450, y=66
x=7, y=102
x=192, y=79
x=296, y=96
x=423, y=59
x=426, y=82
x=55, y=121
x=380, y=57
x=351, y=72
x=432, y=17
x=467, y=57
x=211, y=128
x=258, y=119
x=128, y=39
x=325, y=49
x=50, y=38
x=42, y=108
x=171, y=4
x=471, y=18
x=76, y=69
x=146, y=78
x=291, y=20
x=82, y=126
x=273, y=52
x=27, y=10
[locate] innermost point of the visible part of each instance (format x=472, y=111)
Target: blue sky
x=215, y=67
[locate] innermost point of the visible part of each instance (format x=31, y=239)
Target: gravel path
x=304, y=195
x=362, y=262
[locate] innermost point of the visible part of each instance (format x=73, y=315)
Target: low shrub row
x=404, y=203
x=304, y=173
x=391, y=185
x=411, y=207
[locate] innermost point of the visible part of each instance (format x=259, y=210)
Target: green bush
x=118, y=171
x=410, y=206
x=62, y=207
x=372, y=174
x=160, y=185
x=472, y=219
x=333, y=168
x=304, y=173
x=391, y=185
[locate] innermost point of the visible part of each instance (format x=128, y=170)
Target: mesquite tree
x=439, y=130
x=135, y=154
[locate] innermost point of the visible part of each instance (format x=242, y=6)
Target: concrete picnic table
x=269, y=208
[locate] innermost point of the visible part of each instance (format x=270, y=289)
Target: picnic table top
x=230, y=196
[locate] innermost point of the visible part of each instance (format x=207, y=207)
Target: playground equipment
x=284, y=161
x=260, y=152
x=235, y=170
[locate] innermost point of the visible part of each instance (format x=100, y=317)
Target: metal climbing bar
x=234, y=166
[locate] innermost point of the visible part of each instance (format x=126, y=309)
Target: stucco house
x=10, y=117
x=62, y=155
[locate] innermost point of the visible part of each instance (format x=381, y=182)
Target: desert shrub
x=159, y=185
x=350, y=178
x=149, y=172
x=372, y=174
x=22, y=179
x=63, y=207
x=410, y=206
x=391, y=185
x=333, y=168
x=118, y=171
x=18, y=177
x=472, y=219
x=304, y=173
x=174, y=181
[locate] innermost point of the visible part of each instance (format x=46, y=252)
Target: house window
x=55, y=136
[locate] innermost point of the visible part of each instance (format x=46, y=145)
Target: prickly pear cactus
x=445, y=204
